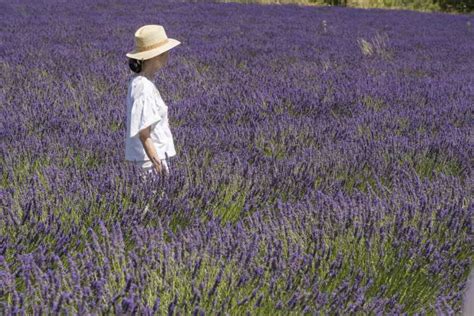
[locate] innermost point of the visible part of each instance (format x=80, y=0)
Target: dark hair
x=135, y=65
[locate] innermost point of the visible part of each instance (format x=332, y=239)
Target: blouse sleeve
x=144, y=112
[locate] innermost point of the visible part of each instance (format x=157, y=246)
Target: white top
x=145, y=107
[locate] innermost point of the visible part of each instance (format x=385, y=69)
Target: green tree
x=336, y=2
x=456, y=5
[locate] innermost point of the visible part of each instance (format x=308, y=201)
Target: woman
x=149, y=142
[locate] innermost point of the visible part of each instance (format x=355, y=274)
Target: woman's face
x=160, y=60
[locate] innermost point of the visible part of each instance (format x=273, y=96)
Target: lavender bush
x=323, y=162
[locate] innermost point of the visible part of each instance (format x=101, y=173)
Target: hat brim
x=155, y=51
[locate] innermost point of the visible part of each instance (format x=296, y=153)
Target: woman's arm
x=150, y=150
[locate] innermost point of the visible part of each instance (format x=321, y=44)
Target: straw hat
x=150, y=41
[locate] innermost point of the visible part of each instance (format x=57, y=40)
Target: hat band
x=144, y=48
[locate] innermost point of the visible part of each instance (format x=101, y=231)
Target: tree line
x=462, y=6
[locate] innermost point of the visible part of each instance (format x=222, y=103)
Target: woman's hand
x=158, y=165
x=151, y=150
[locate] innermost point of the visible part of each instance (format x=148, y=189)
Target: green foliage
x=336, y=2
x=422, y=5
x=456, y=5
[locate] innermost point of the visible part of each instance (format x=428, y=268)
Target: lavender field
x=324, y=161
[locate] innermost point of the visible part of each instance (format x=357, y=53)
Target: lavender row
x=323, y=253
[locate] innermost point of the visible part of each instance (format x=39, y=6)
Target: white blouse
x=145, y=107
